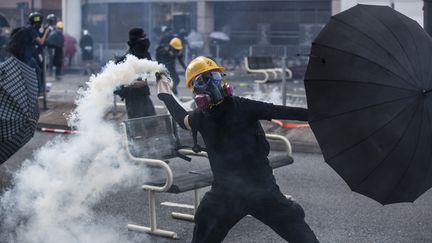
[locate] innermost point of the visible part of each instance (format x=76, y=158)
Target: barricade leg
x=185, y=216
x=152, y=220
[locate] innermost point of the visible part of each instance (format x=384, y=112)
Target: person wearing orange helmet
x=168, y=55
x=237, y=150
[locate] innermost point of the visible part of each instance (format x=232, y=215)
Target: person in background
x=196, y=42
x=237, y=149
x=166, y=36
x=26, y=44
x=168, y=55
x=4, y=36
x=137, y=94
x=51, y=21
x=86, y=46
x=57, y=60
x=69, y=48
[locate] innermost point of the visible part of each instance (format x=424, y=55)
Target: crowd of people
x=51, y=51
x=43, y=43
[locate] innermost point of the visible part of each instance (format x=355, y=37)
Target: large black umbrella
x=368, y=86
x=18, y=106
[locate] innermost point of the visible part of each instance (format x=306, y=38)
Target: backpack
x=54, y=39
x=17, y=41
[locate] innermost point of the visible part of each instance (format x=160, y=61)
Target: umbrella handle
x=323, y=60
x=424, y=92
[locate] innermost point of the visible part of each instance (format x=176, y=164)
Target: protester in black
x=137, y=94
x=26, y=44
x=168, y=55
x=51, y=21
x=57, y=59
x=23, y=39
x=166, y=36
x=237, y=148
x=86, y=45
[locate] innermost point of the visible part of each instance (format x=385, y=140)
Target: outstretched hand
x=163, y=82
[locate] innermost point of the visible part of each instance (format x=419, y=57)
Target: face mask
x=140, y=48
x=210, y=89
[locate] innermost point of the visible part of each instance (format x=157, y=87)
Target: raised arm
x=165, y=95
x=267, y=111
x=180, y=58
x=41, y=40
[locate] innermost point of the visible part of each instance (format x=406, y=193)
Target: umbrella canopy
x=368, y=86
x=18, y=106
x=219, y=36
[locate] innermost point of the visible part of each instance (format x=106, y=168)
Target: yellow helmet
x=198, y=66
x=176, y=43
x=59, y=25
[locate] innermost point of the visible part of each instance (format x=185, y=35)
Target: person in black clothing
x=51, y=21
x=24, y=40
x=137, y=94
x=167, y=55
x=57, y=58
x=166, y=37
x=237, y=148
x=26, y=44
x=86, y=45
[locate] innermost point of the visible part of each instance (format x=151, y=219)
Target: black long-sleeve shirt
x=168, y=57
x=137, y=99
x=235, y=140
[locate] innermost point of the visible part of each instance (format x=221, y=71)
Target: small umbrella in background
x=18, y=106
x=219, y=36
x=369, y=93
x=3, y=22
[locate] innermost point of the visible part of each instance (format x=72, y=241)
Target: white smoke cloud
x=54, y=192
x=273, y=94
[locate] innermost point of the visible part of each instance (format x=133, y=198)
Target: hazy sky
x=411, y=8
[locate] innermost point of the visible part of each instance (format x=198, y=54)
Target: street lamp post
x=22, y=6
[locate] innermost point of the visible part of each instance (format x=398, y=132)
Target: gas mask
x=210, y=89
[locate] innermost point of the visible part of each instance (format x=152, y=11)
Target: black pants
x=220, y=211
x=58, y=61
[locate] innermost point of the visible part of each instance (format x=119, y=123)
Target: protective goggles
x=203, y=80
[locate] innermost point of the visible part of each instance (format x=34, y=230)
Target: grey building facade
x=248, y=23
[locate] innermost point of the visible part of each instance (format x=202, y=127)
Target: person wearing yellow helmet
x=168, y=55
x=55, y=44
x=59, y=25
x=243, y=181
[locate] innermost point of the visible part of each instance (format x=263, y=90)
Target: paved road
x=334, y=212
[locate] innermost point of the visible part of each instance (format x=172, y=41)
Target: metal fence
x=295, y=55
